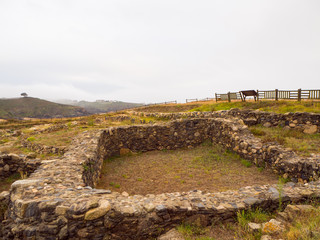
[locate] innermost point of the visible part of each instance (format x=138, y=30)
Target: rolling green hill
x=101, y=106
x=28, y=107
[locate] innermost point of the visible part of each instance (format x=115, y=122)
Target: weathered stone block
x=310, y=129
x=99, y=211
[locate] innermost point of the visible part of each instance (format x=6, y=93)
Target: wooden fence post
x=276, y=94
x=257, y=95
x=229, y=97
x=216, y=97
x=299, y=94
x=241, y=96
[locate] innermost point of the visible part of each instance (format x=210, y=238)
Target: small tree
x=24, y=94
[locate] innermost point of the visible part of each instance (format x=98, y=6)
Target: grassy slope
x=270, y=106
x=169, y=107
x=102, y=107
x=95, y=107
x=36, y=108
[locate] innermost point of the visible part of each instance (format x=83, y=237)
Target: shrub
x=31, y=139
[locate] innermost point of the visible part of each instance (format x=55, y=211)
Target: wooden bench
x=250, y=93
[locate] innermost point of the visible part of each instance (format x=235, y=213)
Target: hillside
x=100, y=106
x=29, y=107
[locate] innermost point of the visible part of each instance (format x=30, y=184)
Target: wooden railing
x=273, y=95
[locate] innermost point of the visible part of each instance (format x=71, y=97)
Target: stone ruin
x=59, y=199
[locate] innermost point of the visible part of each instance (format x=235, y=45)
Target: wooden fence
x=228, y=96
x=199, y=100
x=161, y=103
x=273, y=95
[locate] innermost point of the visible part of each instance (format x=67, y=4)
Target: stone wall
x=41, y=148
x=58, y=200
x=118, y=118
x=177, y=134
x=300, y=120
x=12, y=163
x=4, y=202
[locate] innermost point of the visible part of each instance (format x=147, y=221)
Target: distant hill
x=100, y=106
x=28, y=107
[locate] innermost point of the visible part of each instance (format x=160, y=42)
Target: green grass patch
x=190, y=230
x=245, y=217
x=257, y=215
x=246, y=163
x=116, y=185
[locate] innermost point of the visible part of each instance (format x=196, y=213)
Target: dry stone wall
x=12, y=163
x=59, y=201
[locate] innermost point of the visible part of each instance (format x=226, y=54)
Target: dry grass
x=59, y=138
x=170, y=107
x=306, y=226
x=207, y=168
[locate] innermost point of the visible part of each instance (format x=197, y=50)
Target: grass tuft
x=190, y=230
x=246, y=163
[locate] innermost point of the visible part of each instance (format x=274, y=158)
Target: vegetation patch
x=302, y=143
x=207, y=167
x=31, y=139
x=305, y=226
x=6, y=183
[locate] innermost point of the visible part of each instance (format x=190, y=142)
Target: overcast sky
x=156, y=50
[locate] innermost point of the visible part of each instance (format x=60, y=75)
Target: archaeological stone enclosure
x=59, y=199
